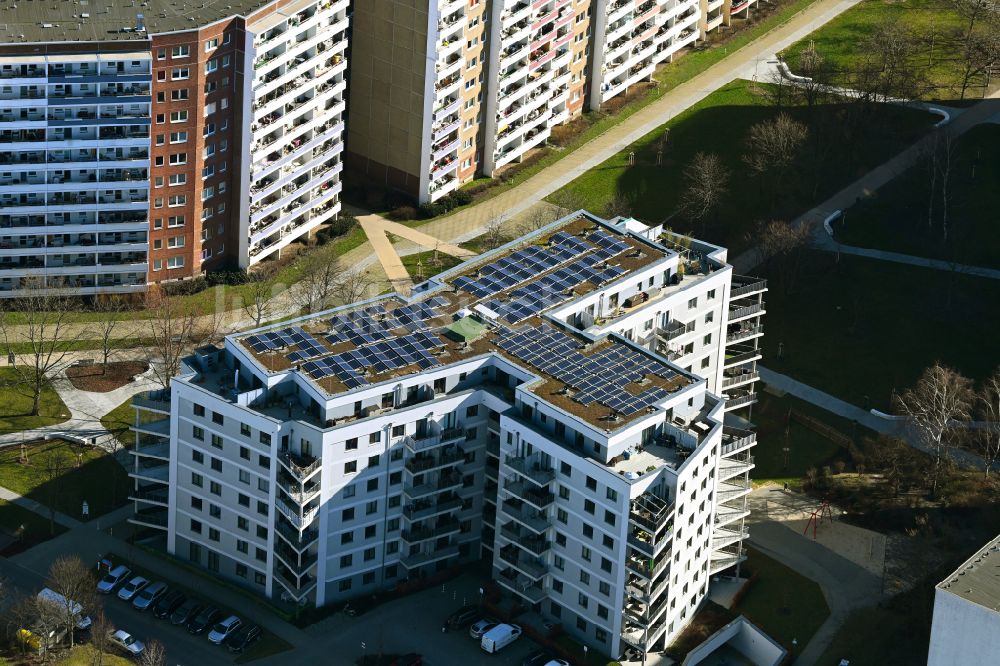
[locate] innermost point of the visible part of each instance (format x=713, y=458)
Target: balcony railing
x=301, y=466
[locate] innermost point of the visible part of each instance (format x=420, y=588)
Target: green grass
x=28, y=525
x=805, y=448
x=83, y=655
x=64, y=475
x=895, y=217
x=784, y=604
x=428, y=265
x=719, y=124
x=267, y=646
x=841, y=41
x=864, y=327
x=15, y=404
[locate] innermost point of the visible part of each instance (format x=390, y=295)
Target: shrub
x=404, y=213
x=462, y=197
x=432, y=209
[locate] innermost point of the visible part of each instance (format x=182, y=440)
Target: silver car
x=481, y=627
x=148, y=596
x=132, y=588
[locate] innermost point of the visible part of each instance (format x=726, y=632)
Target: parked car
x=186, y=612
x=224, y=629
x=557, y=662
x=62, y=604
x=460, y=618
x=537, y=658
x=149, y=595
x=482, y=626
x=113, y=579
x=132, y=588
x=168, y=603
x=499, y=637
x=205, y=619
x=127, y=642
x=246, y=636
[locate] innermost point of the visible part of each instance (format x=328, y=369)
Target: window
x=197, y=480
x=175, y=242
x=351, y=444
x=371, y=508
x=244, y=453
x=588, y=506
x=693, y=303
x=562, y=516
x=178, y=116
x=608, y=542
x=606, y=564
x=612, y=494
x=211, y=45
x=242, y=523
x=211, y=65
x=588, y=531
x=369, y=554
x=591, y=484
x=609, y=518
x=261, y=532
x=585, y=578
x=262, y=508
x=172, y=222
x=196, y=503
x=345, y=561
x=215, y=488
x=264, y=461
x=243, y=500
x=260, y=554
x=242, y=546
x=178, y=137
x=265, y=439
x=178, y=179
x=180, y=52
x=179, y=94
x=347, y=515
x=264, y=485
x=244, y=477
x=218, y=418
x=346, y=538
x=196, y=526
x=214, y=511
x=216, y=465
x=197, y=433
x=565, y=469
x=705, y=362
x=180, y=73
x=585, y=554
x=178, y=158
x=217, y=441
x=582, y=600
x=176, y=200
x=605, y=588
x=350, y=467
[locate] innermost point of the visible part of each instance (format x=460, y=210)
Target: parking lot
x=411, y=624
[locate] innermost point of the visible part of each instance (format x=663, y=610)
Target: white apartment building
x=74, y=171
x=150, y=147
x=296, y=109
x=966, y=625
x=557, y=408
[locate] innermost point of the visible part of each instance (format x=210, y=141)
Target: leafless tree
x=494, y=235
x=980, y=56
x=567, y=201
x=112, y=308
x=101, y=629
x=354, y=286
x=619, y=205
x=258, y=297
x=773, y=147
x=154, y=654
x=940, y=398
x=987, y=434
x=894, y=460
x=43, y=324
x=48, y=467
x=21, y=612
x=812, y=65
x=174, y=330
x=71, y=578
x=780, y=247
x=321, y=275
x=706, y=182
x=535, y=218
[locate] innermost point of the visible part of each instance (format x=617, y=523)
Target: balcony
x=736, y=439
x=646, y=567
x=540, y=499
x=155, y=517
x=743, y=285
x=425, y=442
x=534, y=569
x=446, y=482
x=426, y=463
x=532, y=519
x=298, y=516
x=533, y=471
x=522, y=586
x=651, y=513
x=738, y=378
x=744, y=332
x=302, y=467
x=422, y=509
x=298, y=491
x=438, y=553
x=731, y=467
x=297, y=539
x=444, y=527
x=746, y=311
x=536, y=545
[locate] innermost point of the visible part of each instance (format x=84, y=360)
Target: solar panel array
x=551, y=289
x=600, y=377
x=294, y=336
x=525, y=264
x=399, y=352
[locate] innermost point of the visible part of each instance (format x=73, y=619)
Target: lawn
x=16, y=399
x=840, y=42
x=27, y=527
x=893, y=218
x=64, y=475
x=429, y=266
x=719, y=124
x=83, y=655
x=806, y=448
x=862, y=328
x=785, y=604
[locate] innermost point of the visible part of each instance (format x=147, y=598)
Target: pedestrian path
x=880, y=424
x=828, y=244
x=37, y=507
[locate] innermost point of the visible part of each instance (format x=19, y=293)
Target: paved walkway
x=37, y=507
x=824, y=242
x=886, y=426
x=846, y=586
x=472, y=221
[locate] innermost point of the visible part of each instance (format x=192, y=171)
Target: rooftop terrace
x=605, y=381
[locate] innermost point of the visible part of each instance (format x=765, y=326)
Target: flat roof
x=978, y=579
x=30, y=21
x=605, y=381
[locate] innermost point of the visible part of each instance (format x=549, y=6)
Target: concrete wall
x=962, y=632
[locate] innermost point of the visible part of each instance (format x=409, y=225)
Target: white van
x=53, y=597
x=499, y=637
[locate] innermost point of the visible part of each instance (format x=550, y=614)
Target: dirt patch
x=103, y=379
